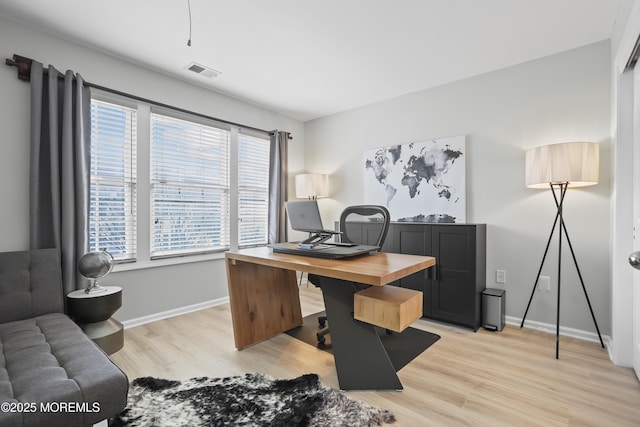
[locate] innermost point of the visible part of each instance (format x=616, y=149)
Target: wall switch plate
x=544, y=284
x=501, y=276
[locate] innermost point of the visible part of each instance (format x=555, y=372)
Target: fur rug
x=249, y=400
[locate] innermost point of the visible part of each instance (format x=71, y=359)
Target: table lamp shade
x=312, y=185
x=575, y=163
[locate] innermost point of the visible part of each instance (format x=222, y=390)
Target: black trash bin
x=493, y=309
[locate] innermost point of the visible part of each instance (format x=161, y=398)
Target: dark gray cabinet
x=452, y=291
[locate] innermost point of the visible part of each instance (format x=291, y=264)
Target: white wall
x=147, y=291
x=561, y=98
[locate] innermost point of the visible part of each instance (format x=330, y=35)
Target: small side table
x=93, y=311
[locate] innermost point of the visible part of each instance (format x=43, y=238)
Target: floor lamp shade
x=312, y=185
x=574, y=163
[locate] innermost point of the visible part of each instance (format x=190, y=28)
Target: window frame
x=133, y=182
x=253, y=134
x=223, y=188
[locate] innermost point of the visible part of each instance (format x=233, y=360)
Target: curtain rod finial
x=23, y=64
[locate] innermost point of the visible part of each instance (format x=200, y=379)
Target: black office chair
x=374, y=234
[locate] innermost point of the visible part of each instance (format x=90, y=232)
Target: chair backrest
x=30, y=284
x=373, y=234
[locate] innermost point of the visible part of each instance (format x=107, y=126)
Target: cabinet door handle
x=433, y=272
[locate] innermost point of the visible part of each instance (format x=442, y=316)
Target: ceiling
x=307, y=59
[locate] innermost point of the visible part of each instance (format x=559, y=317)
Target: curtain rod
x=23, y=64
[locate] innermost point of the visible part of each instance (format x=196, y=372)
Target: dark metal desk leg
x=361, y=360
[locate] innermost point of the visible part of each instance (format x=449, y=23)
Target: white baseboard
x=174, y=312
x=564, y=331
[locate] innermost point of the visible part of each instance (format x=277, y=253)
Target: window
x=189, y=187
x=163, y=185
x=112, y=218
x=253, y=190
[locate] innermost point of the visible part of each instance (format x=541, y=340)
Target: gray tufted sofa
x=51, y=374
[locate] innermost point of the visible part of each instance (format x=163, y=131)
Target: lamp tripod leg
x=546, y=250
x=563, y=190
x=584, y=289
x=559, y=283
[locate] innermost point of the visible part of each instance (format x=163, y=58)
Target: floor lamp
x=559, y=167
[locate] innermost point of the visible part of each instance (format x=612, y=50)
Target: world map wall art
x=418, y=182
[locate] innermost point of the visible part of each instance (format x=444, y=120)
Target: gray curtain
x=60, y=167
x=278, y=186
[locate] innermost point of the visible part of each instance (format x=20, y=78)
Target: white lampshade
x=312, y=185
x=575, y=163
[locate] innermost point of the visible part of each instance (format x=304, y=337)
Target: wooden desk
x=263, y=295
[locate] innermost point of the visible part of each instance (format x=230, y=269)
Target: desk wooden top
x=377, y=269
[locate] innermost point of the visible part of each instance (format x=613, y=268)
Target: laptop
x=305, y=216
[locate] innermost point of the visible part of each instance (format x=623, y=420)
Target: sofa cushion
x=30, y=284
x=49, y=359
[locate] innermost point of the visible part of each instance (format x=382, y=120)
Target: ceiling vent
x=202, y=70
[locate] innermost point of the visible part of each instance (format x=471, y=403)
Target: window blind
x=112, y=212
x=253, y=190
x=189, y=187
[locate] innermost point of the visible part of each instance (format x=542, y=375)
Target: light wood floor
x=482, y=379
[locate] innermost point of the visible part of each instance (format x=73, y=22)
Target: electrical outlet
x=544, y=284
x=501, y=276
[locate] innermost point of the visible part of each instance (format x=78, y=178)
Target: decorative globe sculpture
x=93, y=266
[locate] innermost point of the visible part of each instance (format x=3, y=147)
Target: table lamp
x=559, y=167
x=312, y=186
